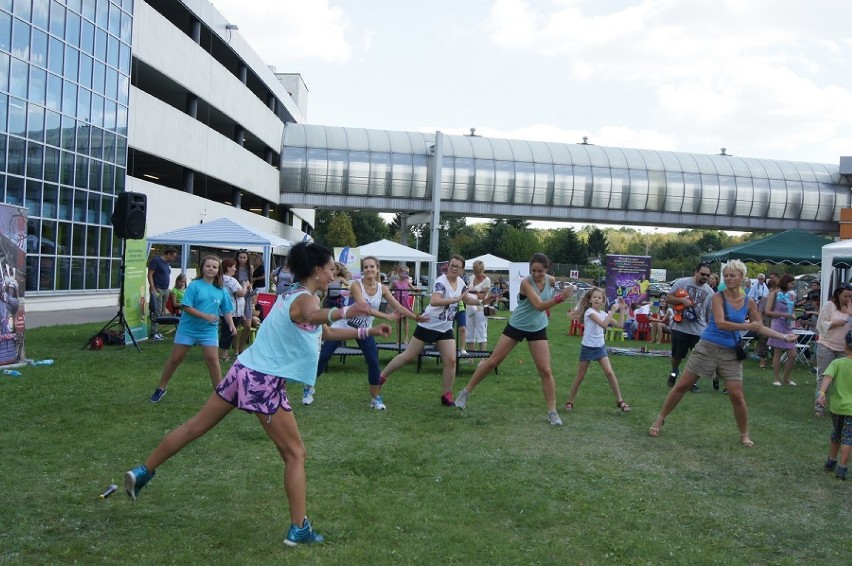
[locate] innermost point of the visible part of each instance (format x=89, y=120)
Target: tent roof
x=219, y=232
x=492, y=262
x=392, y=251
x=792, y=247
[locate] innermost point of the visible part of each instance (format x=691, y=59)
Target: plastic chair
x=616, y=332
x=577, y=328
x=643, y=328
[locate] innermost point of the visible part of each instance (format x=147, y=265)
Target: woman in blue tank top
x=286, y=348
x=732, y=313
x=528, y=322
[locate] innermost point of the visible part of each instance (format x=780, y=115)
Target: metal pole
x=438, y=150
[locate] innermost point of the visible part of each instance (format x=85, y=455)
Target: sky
x=761, y=78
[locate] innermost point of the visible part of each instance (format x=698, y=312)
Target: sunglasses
x=846, y=286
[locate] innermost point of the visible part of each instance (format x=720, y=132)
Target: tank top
x=374, y=300
x=525, y=317
x=726, y=338
x=441, y=317
x=283, y=348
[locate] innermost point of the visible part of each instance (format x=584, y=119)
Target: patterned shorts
x=253, y=391
x=842, y=431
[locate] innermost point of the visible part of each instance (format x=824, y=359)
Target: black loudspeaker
x=129, y=215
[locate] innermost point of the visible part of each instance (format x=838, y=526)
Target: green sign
x=136, y=294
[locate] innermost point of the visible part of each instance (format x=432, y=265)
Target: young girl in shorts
x=285, y=349
x=204, y=302
x=592, y=348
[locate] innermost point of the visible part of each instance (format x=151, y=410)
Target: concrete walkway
x=76, y=316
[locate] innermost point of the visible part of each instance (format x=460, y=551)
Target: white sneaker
x=377, y=403
x=308, y=395
x=554, y=419
x=791, y=383
x=462, y=352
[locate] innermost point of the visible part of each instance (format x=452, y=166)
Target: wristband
x=343, y=312
x=363, y=332
x=559, y=298
x=331, y=310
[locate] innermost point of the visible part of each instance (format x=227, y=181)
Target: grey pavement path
x=75, y=316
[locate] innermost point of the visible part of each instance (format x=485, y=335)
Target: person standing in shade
x=759, y=289
x=839, y=374
x=695, y=311
x=779, y=308
x=244, y=275
x=449, y=289
x=159, y=279
x=282, y=276
x=258, y=275
x=528, y=322
x=732, y=314
x=477, y=322
x=285, y=350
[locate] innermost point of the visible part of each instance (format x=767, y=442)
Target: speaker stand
x=118, y=319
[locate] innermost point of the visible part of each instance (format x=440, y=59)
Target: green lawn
x=418, y=483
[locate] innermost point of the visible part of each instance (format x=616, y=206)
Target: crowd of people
x=317, y=297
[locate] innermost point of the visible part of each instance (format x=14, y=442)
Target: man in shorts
x=694, y=317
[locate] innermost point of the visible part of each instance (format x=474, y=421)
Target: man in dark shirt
x=159, y=279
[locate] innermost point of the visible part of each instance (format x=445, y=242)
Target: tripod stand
x=118, y=319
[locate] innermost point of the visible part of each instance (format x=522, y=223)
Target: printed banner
x=628, y=278
x=351, y=258
x=136, y=289
x=517, y=273
x=13, y=268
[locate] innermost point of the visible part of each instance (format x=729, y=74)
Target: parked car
x=659, y=289
x=580, y=285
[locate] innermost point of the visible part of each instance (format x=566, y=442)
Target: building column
x=239, y=134
x=195, y=31
x=242, y=73
x=266, y=208
x=237, y=197
x=192, y=105
x=188, y=180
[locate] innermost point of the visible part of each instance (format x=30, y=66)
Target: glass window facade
x=64, y=90
x=676, y=187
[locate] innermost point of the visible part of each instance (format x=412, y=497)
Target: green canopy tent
x=793, y=247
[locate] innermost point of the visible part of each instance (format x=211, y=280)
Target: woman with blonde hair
x=477, y=322
x=732, y=314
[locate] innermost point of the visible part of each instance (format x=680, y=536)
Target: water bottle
x=43, y=363
x=109, y=491
x=12, y=372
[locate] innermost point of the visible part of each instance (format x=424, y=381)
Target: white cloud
x=287, y=30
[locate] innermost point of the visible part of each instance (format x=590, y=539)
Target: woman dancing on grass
x=592, y=348
x=528, y=322
x=732, y=313
x=285, y=349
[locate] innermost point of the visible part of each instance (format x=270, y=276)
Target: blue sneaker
x=135, y=480
x=841, y=472
x=158, y=394
x=302, y=535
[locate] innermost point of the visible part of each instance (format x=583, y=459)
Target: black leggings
x=225, y=337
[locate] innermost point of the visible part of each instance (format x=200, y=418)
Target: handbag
x=740, y=344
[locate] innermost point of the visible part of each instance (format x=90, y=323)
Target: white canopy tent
x=222, y=232
x=492, y=262
x=393, y=251
x=836, y=266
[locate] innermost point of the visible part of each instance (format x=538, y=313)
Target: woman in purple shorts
x=286, y=348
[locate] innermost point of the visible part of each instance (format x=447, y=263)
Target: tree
x=597, y=244
x=565, y=246
x=340, y=232
x=519, y=245
x=369, y=227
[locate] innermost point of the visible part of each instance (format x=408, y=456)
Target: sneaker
x=447, y=400
x=715, y=384
x=841, y=472
x=158, y=394
x=725, y=391
x=673, y=377
x=791, y=383
x=830, y=465
x=776, y=383
x=695, y=388
x=157, y=337
x=135, y=480
x=554, y=419
x=462, y=352
x=378, y=404
x=308, y=395
x=302, y=535
x=461, y=400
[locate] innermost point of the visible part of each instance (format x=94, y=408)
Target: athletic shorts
x=521, y=335
x=682, y=343
x=461, y=318
x=432, y=336
x=842, y=429
x=185, y=339
x=253, y=391
x=707, y=358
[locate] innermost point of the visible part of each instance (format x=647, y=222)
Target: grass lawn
x=418, y=483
